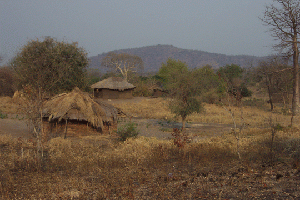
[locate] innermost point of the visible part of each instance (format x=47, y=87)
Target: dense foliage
x=6, y=82
x=127, y=131
x=186, y=86
x=232, y=75
x=51, y=66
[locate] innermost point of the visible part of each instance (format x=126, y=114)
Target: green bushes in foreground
x=127, y=131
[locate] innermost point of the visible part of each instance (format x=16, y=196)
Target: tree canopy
x=50, y=66
x=169, y=71
x=47, y=67
x=185, y=86
x=232, y=75
x=6, y=82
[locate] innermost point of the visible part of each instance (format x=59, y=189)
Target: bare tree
x=277, y=75
x=123, y=62
x=283, y=18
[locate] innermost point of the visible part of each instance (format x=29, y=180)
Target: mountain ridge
x=154, y=56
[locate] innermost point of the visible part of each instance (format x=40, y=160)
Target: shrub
x=278, y=127
x=127, y=131
x=3, y=116
x=6, y=82
x=142, y=90
x=211, y=97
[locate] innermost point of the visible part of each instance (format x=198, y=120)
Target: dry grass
x=157, y=108
x=9, y=105
x=100, y=167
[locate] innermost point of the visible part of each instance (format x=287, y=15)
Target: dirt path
x=147, y=127
x=14, y=127
x=17, y=127
x=163, y=129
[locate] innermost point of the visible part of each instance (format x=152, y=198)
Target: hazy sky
x=229, y=27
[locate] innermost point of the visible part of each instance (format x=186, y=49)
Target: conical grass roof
x=113, y=83
x=78, y=105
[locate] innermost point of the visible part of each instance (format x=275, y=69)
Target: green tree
x=6, y=82
x=51, y=66
x=47, y=67
x=210, y=84
x=185, y=86
x=169, y=71
x=232, y=75
x=93, y=76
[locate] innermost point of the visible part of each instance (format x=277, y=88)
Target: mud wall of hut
x=113, y=94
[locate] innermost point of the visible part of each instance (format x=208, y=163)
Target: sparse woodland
x=257, y=158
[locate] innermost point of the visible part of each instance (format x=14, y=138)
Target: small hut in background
x=76, y=113
x=157, y=91
x=113, y=88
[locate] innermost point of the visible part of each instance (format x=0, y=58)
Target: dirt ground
x=16, y=126
x=146, y=127
x=182, y=180
x=162, y=129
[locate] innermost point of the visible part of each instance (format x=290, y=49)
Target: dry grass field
x=157, y=108
x=102, y=167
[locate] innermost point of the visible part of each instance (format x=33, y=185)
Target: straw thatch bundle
x=18, y=97
x=78, y=105
x=113, y=83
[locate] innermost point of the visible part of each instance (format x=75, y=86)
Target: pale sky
x=229, y=27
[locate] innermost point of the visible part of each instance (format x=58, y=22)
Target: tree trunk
x=183, y=123
x=270, y=93
x=283, y=99
x=126, y=76
x=295, y=102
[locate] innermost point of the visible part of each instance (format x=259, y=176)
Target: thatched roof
x=113, y=83
x=78, y=105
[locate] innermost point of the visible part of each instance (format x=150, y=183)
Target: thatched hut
x=157, y=91
x=78, y=112
x=113, y=88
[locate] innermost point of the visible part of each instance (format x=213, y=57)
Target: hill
x=154, y=56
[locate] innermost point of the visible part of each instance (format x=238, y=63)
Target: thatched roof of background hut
x=78, y=105
x=113, y=83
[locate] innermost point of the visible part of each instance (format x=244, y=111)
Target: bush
x=3, y=116
x=211, y=97
x=6, y=82
x=142, y=90
x=127, y=131
x=245, y=92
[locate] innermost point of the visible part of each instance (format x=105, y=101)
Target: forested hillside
x=154, y=56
